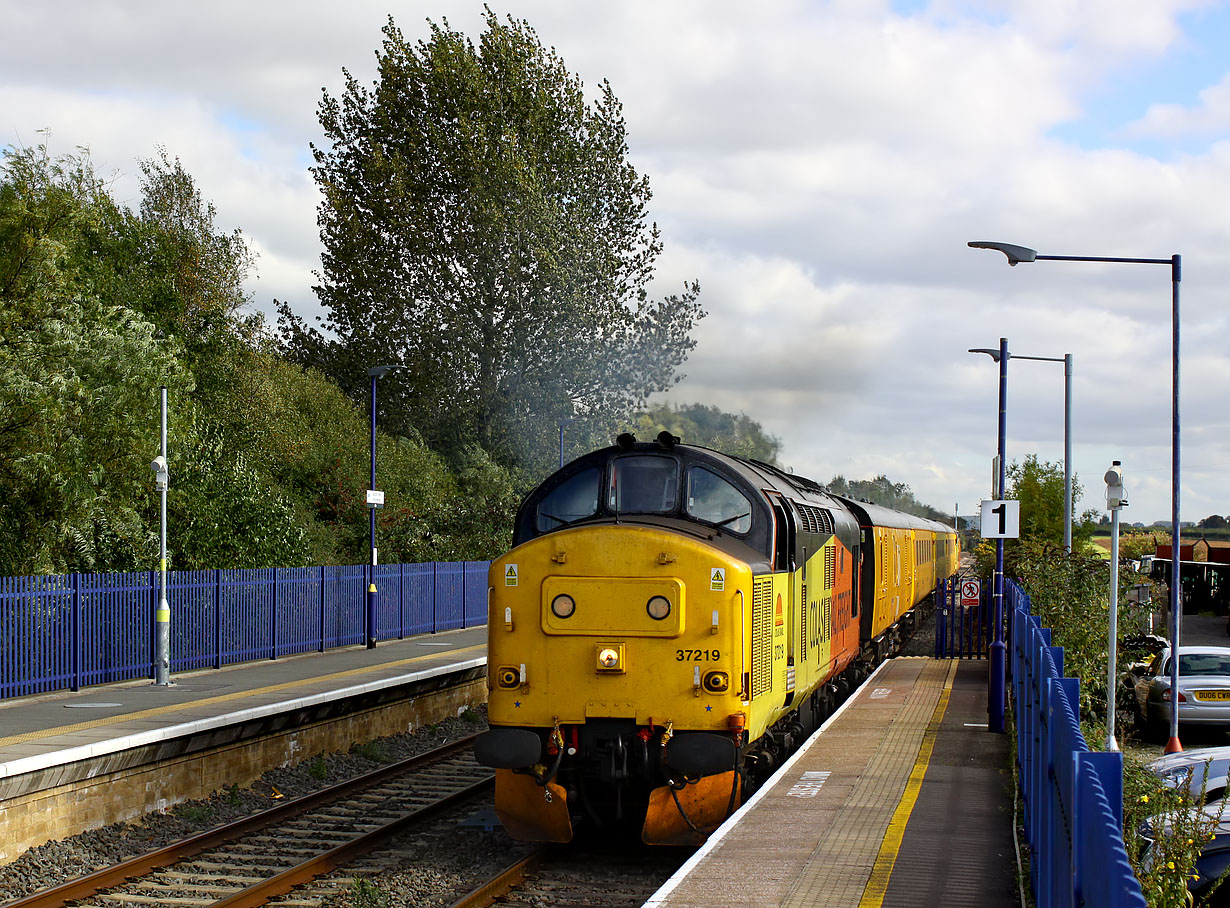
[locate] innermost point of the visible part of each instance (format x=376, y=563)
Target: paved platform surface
x=50, y=729
x=904, y=798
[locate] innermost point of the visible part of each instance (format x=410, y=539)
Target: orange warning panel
x=530, y=811
x=689, y=815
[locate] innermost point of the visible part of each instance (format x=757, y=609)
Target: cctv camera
x=159, y=465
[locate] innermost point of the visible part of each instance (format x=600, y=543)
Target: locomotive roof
x=756, y=475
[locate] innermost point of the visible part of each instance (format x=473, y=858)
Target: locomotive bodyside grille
x=762, y=636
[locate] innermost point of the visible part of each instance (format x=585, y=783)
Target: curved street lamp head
x=994, y=354
x=379, y=371
x=1015, y=254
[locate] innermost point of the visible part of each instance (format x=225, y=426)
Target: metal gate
x=961, y=631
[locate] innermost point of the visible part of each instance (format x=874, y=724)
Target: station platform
x=70, y=761
x=902, y=799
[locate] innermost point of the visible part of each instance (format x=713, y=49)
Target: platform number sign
x=1001, y=519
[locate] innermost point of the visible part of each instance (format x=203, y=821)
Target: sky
x=818, y=167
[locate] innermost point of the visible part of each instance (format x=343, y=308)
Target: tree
x=1039, y=487
x=710, y=427
x=79, y=377
x=1213, y=522
x=883, y=491
x=483, y=228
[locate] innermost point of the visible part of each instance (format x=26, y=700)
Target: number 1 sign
x=1001, y=519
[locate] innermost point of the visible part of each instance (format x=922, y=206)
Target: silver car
x=1205, y=769
x=1203, y=694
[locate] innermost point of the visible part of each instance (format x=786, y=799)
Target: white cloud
x=819, y=167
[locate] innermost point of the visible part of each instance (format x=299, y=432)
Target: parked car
x=1205, y=769
x=1204, y=688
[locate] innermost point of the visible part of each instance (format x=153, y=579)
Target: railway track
x=593, y=874
x=254, y=860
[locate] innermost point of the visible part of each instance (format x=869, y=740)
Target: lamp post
x=997, y=666
x=1066, y=359
x=1116, y=498
x=375, y=499
x=1017, y=254
x=162, y=615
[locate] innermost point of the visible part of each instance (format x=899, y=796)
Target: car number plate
x=1206, y=695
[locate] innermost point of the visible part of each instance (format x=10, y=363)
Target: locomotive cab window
x=643, y=484
x=714, y=500
x=575, y=499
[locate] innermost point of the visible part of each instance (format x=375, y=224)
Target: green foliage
x=367, y=894
x=482, y=227
x=886, y=493
x=198, y=813
x=317, y=767
x=1180, y=829
x=79, y=377
x=1071, y=595
x=98, y=307
x=372, y=751
x=697, y=424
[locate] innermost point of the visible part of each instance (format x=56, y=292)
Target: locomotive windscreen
x=643, y=484
x=575, y=499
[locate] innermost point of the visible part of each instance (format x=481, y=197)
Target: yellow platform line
x=890, y=847
x=223, y=698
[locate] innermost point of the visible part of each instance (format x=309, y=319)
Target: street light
x=1116, y=498
x=1017, y=254
x=1066, y=359
x=375, y=499
x=162, y=614
x=998, y=663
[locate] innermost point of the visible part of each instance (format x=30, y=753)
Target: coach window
x=714, y=500
x=643, y=484
x=574, y=499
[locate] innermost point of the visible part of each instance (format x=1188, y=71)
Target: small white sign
x=1001, y=519
x=375, y=498
x=971, y=593
x=717, y=579
x=510, y=575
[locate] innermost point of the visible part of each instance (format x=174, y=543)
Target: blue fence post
x=401, y=601
x=435, y=592
x=75, y=581
x=273, y=617
x=217, y=617
x=322, y=609
x=153, y=630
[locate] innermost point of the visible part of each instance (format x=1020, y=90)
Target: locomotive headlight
x=610, y=657
x=717, y=682
x=658, y=607
x=563, y=605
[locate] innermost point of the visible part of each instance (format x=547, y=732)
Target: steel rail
x=90, y=884
x=260, y=893
x=503, y=882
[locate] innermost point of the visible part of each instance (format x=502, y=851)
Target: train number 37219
x=697, y=655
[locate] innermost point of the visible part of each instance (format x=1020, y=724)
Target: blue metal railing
x=65, y=632
x=1073, y=796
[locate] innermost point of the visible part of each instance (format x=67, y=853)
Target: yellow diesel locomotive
x=671, y=623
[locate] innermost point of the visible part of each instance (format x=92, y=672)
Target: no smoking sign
x=971, y=593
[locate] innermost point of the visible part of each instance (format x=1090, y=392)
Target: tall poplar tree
x=483, y=228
